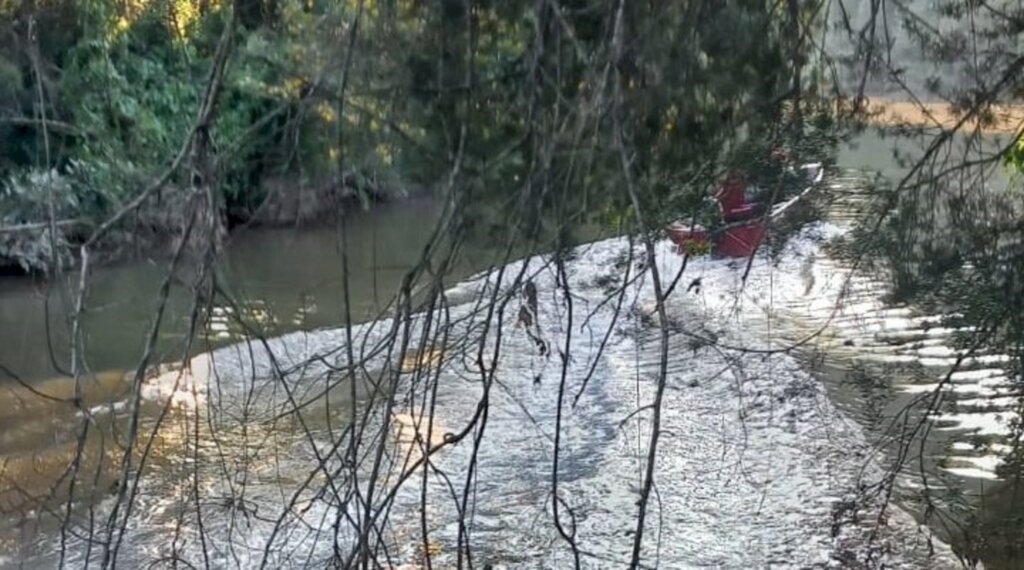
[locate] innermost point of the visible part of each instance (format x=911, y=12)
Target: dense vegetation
x=120, y=120
x=361, y=100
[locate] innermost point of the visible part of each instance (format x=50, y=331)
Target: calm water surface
x=283, y=279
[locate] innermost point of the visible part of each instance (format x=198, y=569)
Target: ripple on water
x=915, y=355
x=755, y=463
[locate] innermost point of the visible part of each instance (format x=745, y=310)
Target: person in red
x=732, y=198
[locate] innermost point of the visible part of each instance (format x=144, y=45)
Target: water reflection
x=226, y=459
x=279, y=280
x=226, y=322
x=275, y=281
x=237, y=461
x=286, y=280
x=935, y=313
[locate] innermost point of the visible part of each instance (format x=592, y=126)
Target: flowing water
x=757, y=467
x=755, y=452
x=759, y=456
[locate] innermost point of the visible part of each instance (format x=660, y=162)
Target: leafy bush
x=26, y=199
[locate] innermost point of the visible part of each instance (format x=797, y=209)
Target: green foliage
x=10, y=92
x=10, y=81
x=135, y=121
x=1015, y=157
x=524, y=95
x=959, y=253
x=25, y=199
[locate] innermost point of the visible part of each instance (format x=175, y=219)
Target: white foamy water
x=922, y=358
x=755, y=468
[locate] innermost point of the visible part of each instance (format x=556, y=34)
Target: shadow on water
x=284, y=280
x=291, y=280
x=931, y=330
x=287, y=287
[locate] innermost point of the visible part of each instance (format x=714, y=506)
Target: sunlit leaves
x=522, y=92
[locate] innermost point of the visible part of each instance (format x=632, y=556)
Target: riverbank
x=283, y=279
x=997, y=119
x=152, y=228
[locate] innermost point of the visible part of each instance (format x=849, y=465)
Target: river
x=289, y=279
x=291, y=284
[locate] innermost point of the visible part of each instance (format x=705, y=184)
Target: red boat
x=744, y=223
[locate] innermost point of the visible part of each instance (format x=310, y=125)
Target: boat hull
x=738, y=238
x=741, y=241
